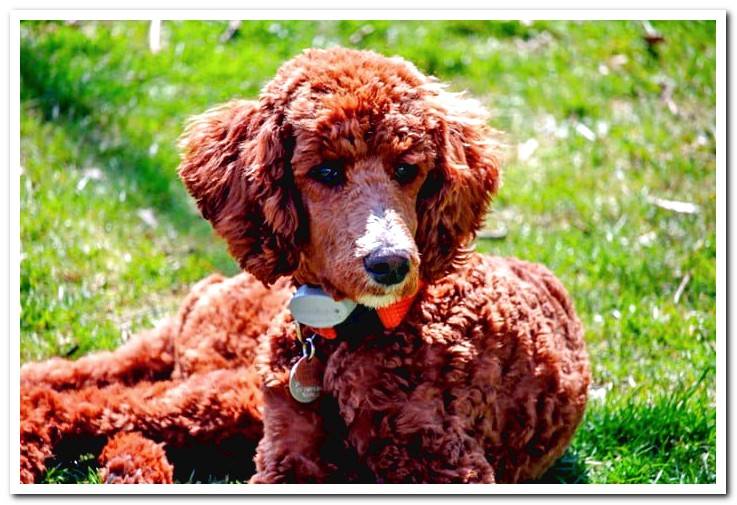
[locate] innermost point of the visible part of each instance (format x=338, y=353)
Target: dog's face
x=353, y=172
x=361, y=155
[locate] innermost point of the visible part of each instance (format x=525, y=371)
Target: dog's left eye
x=405, y=173
x=328, y=173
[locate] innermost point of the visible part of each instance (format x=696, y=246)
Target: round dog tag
x=315, y=308
x=305, y=379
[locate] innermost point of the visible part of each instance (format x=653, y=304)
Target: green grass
x=100, y=115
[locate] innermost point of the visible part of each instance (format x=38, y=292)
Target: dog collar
x=319, y=312
x=312, y=305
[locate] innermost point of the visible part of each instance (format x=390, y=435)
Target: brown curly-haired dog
x=355, y=173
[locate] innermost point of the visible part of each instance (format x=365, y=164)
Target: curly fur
x=130, y=458
x=484, y=381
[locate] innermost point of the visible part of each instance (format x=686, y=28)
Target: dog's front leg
x=294, y=436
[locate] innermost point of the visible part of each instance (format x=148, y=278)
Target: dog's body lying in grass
x=357, y=174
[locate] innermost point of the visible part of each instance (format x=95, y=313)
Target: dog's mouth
x=382, y=296
x=376, y=301
x=362, y=289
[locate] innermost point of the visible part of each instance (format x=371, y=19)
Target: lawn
x=605, y=123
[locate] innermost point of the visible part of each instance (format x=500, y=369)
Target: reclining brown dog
x=415, y=360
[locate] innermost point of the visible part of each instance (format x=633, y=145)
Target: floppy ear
x=235, y=163
x=454, y=199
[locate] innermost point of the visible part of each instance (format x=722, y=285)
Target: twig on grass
x=652, y=36
x=231, y=31
x=154, y=36
x=674, y=205
x=681, y=288
x=496, y=234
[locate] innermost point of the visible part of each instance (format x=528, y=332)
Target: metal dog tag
x=305, y=379
x=314, y=307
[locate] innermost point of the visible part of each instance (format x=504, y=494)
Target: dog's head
x=353, y=172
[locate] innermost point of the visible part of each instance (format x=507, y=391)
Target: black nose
x=386, y=268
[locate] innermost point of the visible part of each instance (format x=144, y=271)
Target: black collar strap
x=361, y=322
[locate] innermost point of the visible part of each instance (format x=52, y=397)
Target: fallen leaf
x=647, y=238
x=231, y=31
x=526, y=149
x=148, y=217
x=90, y=174
x=681, y=288
x=617, y=61
x=585, y=132
x=674, y=205
x=598, y=394
x=360, y=34
x=652, y=36
x=496, y=234
x=154, y=36
x=666, y=94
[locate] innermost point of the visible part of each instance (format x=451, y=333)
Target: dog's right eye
x=329, y=173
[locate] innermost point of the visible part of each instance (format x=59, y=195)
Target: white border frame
x=13, y=199
x=349, y=14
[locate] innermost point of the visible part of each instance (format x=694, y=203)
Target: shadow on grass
x=76, y=462
x=569, y=469
x=230, y=461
